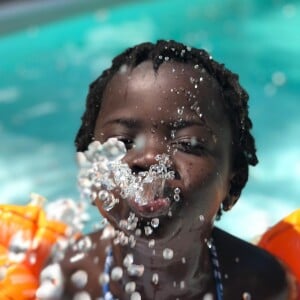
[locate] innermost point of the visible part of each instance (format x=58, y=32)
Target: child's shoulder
x=83, y=263
x=248, y=269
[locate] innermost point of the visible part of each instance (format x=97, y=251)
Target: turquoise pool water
x=45, y=71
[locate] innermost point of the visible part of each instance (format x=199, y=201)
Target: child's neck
x=170, y=267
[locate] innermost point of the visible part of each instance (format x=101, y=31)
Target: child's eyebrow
x=129, y=123
x=186, y=123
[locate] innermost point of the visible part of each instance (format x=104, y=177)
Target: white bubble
x=208, y=296
x=135, y=296
x=138, y=232
x=148, y=230
x=168, y=253
x=155, y=222
x=151, y=243
x=176, y=197
x=103, y=278
x=116, y=273
x=201, y=218
x=155, y=278
x=79, y=278
x=246, y=296
x=128, y=260
x=180, y=110
x=177, y=190
x=130, y=287
x=82, y=296
x=136, y=270
x=182, y=284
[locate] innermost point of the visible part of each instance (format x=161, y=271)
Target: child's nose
x=140, y=160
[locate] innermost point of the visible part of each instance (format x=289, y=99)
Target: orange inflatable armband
x=27, y=238
x=283, y=241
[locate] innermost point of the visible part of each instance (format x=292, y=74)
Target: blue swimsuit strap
x=214, y=260
x=216, y=269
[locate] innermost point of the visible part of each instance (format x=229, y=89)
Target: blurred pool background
x=45, y=70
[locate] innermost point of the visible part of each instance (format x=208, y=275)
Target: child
x=177, y=102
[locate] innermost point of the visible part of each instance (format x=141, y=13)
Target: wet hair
x=234, y=96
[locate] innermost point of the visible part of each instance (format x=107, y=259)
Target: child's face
x=177, y=111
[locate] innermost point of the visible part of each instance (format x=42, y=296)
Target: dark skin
x=142, y=103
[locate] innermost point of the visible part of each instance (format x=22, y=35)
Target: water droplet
x=168, y=253
x=131, y=241
x=116, y=273
x=246, y=296
x=135, y=270
x=182, y=284
x=237, y=259
x=177, y=190
x=79, y=278
x=183, y=260
x=209, y=243
x=82, y=296
x=173, y=134
x=103, y=278
x=138, y=232
x=151, y=243
x=130, y=287
x=148, y=230
x=85, y=244
x=107, y=199
x=135, y=296
x=176, y=197
x=201, y=218
x=180, y=110
x=155, y=222
x=155, y=278
x=128, y=260
x=208, y=296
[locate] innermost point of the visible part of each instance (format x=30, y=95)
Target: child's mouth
x=154, y=200
x=153, y=208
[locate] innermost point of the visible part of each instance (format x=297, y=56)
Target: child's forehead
x=170, y=88
x=178, y=76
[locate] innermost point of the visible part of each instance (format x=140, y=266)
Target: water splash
x=102, y=172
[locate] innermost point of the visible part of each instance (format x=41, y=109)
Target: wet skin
x=142, y=103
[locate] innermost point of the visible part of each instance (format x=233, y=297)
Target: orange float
x=283, y=241
x=26, y=240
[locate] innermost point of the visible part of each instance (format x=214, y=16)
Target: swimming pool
x=45, y=71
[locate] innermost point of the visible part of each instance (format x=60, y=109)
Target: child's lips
x=153, y=208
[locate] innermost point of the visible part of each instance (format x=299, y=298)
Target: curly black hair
x=235, y=99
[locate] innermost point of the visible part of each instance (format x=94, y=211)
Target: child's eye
x=190, y=146
x=129, y=143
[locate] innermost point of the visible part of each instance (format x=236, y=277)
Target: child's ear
x=233, y=193
x=229, y=202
